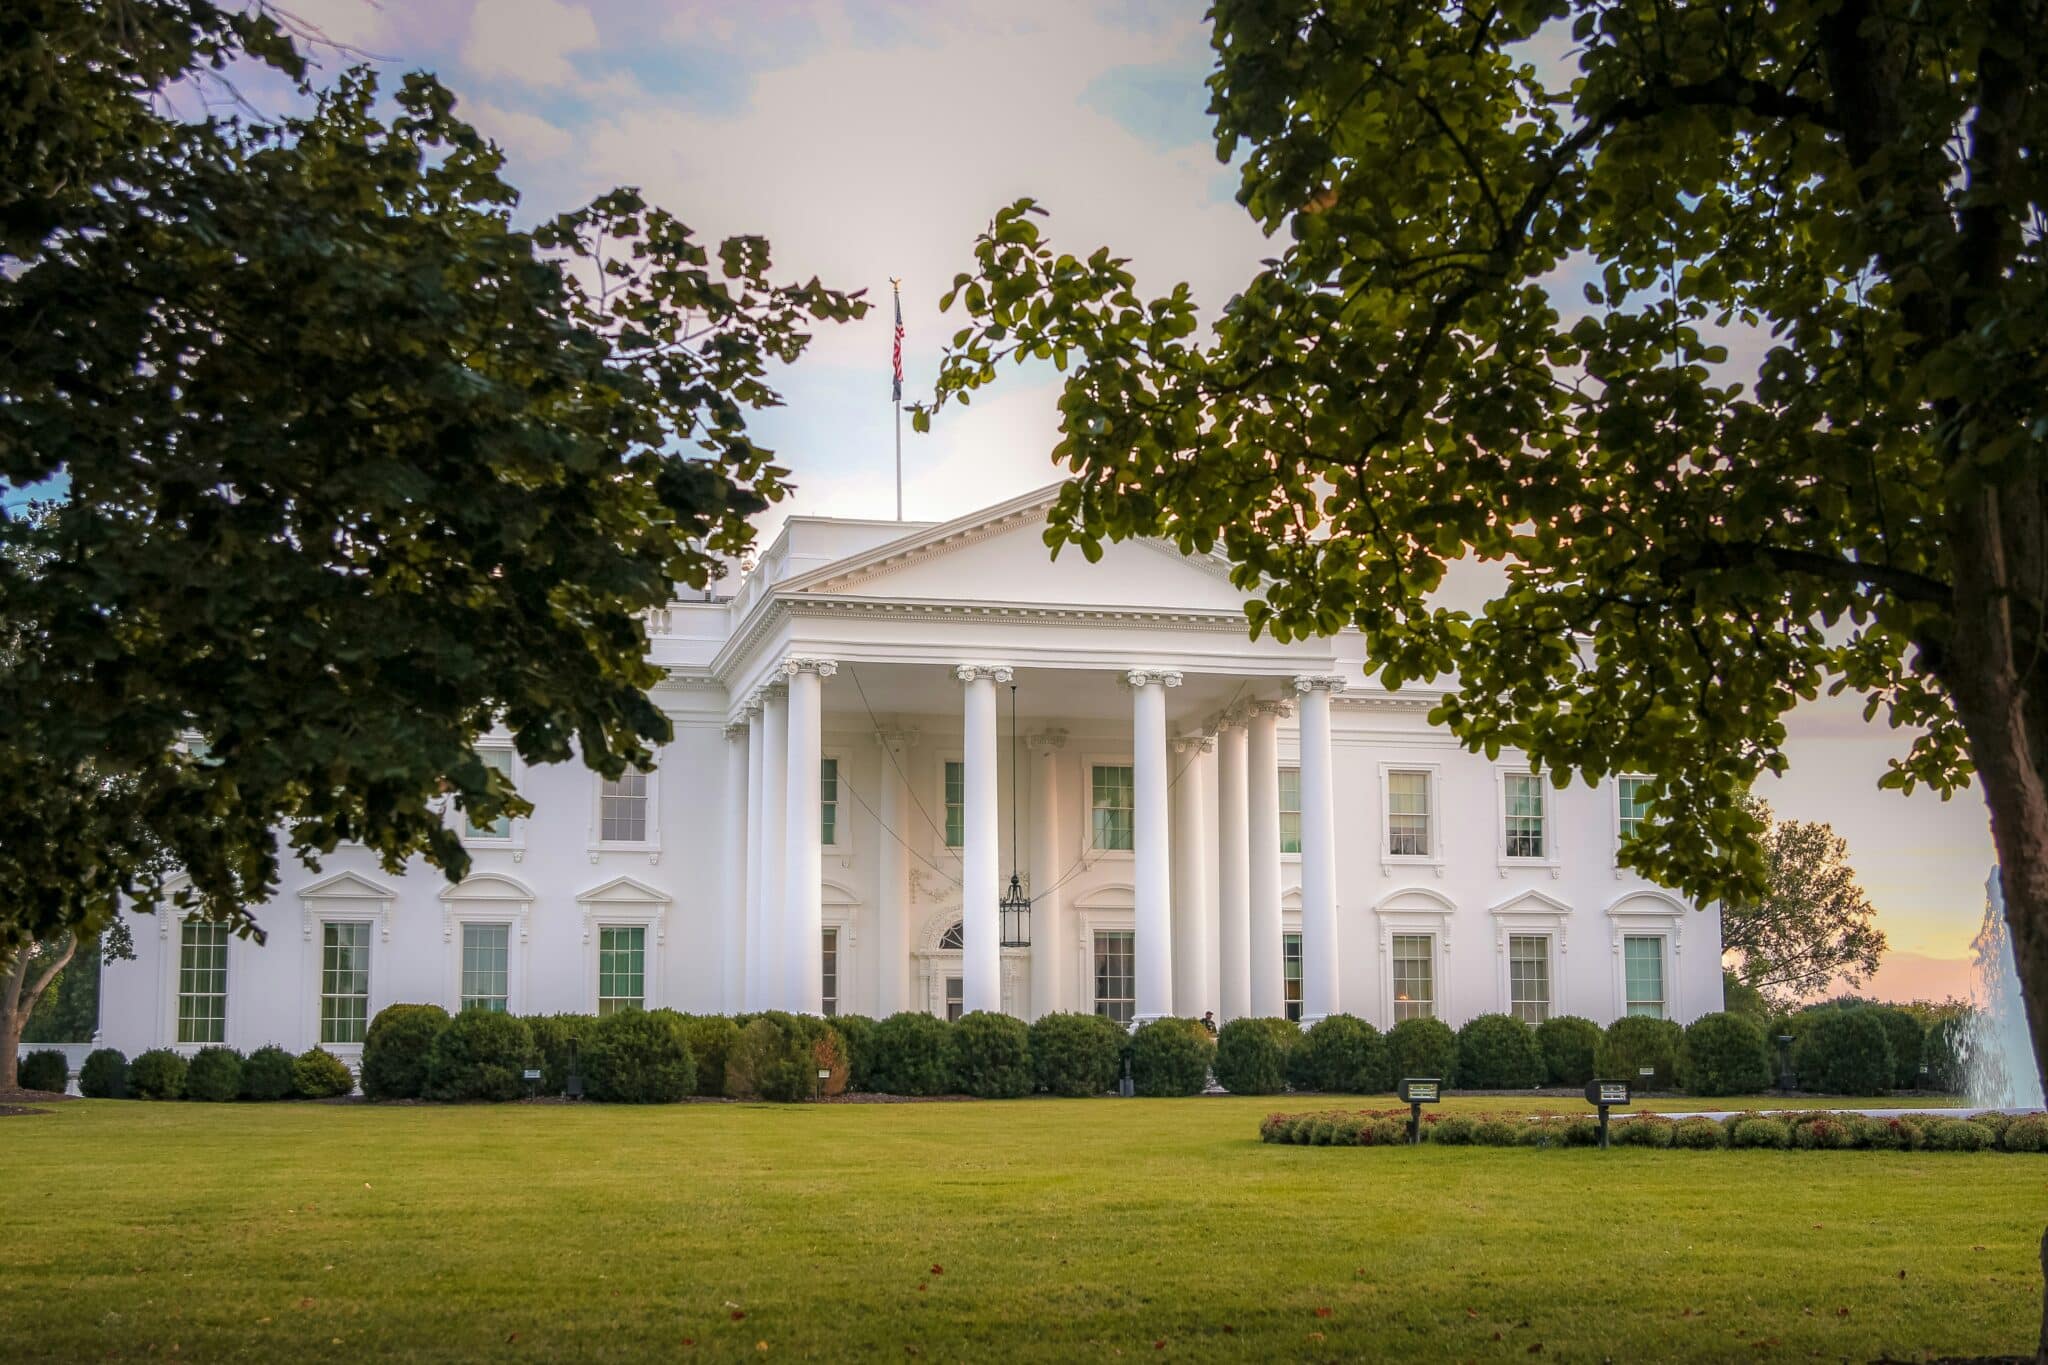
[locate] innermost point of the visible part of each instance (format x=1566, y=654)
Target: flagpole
x=896, y=291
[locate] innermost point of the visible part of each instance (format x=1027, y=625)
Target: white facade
x=1203, y=822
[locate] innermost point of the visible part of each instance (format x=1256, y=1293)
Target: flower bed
x=1813, y=1131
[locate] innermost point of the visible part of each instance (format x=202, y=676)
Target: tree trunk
x=18, y=997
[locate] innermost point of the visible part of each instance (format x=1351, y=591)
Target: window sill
x=1551, y=865
x=1390, y=861
x=650, y=851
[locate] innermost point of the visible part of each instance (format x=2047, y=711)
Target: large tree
x=1721, y=326
x=353, y=468
x=1811, y=925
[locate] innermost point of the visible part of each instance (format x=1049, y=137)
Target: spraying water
x=1999, y=1052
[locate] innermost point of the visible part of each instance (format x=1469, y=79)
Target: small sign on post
x=1602, y=1095
x=1415, y=1092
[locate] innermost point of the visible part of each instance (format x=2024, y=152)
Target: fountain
x=1998, y=1052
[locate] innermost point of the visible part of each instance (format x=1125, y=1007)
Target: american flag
x=896, y=353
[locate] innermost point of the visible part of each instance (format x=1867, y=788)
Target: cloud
x=528, y=41
x=525, y=137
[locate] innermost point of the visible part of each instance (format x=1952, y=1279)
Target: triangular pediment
x=999, y=555
x=347, y=886
x=623, y=891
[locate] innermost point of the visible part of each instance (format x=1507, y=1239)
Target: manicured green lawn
x=1038, y=1229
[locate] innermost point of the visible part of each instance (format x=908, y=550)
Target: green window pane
x=956, y=804
x=1634, y=803
x=344, y=982
x=486, y=963
x=1111, y=806
x=621, y=968
x=1643, y=964
x=1290, y=973
x=202, y=982
x=828, y=801
x=498, y=760
x=1290, y=810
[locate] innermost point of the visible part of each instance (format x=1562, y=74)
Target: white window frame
x=839, y=909
x=462, y=958
x=1549, y=860
x=1614, y=819
x=840, y=806
x=625, y=903
x=341, y=897
x=1280, y=811
x=175, y=963
x=1094, y=1000
x=938, y=809
x=369, y=979
x=651, y=845
x=515, y=837
x=1416, y=910
x=1649, y=913
x=1105, y=909
x=1434, y=858
x=1510, y=1005
x=488, y=898
x=1089, y=763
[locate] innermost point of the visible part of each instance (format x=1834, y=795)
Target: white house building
x=1201, y=822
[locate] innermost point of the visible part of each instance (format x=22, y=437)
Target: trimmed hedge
x=158, y=1074
x=267, y=1075
x=318, y=1074
x=1249, y=1060
x=478, y=1056
x=1499, y=1052
x=1076, y=1055
x=1422, y=1047
x=1570, y=1045
x=639, y=1057
x=1908, y=1039
x=777, y=1056
x=1342, y=1054
x=555, y=1038
x=856, y=1034
x=44, y=1069
x=214, y=1074
x=1170, y=1057
x=396, y=1049
x=1724, y=1054
x=710, y=1038
x=910, y=1053
x=1635, y=1041
x=104, y=1074
x=1944, y=1049
x=992, y=1056
x=1844, y=1052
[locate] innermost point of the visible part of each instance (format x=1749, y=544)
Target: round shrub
x=1697, y=1134
x=1907, y=1038
x=1644, y=1130
x=1957, y=1135
x=1349, y=1130
x=104, y=1074
x=1944, y=1050
x=1383, y=1132
x=856, y=1033
x=1343, y=1055
x=1499, y=1052
x=910, y=1053
x=267, y=1075
x=1844, y=1052
x=1422, y=1047
x=1889, y=1135
x=710, y=1038
x=396, y=1048
x=158, y=1074
x=638, y=1057
x=320, y=1075
x=215, y=1074
x=992, y=1056
x=1497, y=1132
x=771, y=1060
x=2027, y=1133
x=1636, y=1041
x=1170, y=1057
x=1569, y=1045
x=479, y=1056
x=1724, y=1054
x=1760, y=1132
x=1450, y=1130
x=44, y=1069
x=1249, y=1060
x=1076, y=1055
x=557, y=1038
x=1824, y=1132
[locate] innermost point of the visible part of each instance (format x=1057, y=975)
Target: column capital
x=890, y=738
x=1183, y=744
x=749, y=709
x=771, y=691
x=1282, y=708
x=1046, y=741
x=736, y=730
x=804, y=663
x=1141, y=677
x=968, y=673
x=1318, y=682
x=1230, y=718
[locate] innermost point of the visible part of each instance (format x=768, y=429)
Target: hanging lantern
x=1015, y=905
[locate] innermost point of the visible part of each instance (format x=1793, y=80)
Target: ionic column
x=981, y=956
x=892, y=981
x=774, y=816
x=738, y=832
x=1190, y=877
x=1048, y=925
x=1152, y=862
x=1319, y=976
x=1262, y=801
x=756, y=879
x=803, y=862
x=1233, y=872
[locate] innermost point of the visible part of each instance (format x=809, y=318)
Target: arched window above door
x=953, y=940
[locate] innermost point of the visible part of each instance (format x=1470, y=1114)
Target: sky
x=869, y=139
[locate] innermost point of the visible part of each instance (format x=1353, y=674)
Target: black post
x=1787, y=1082
x=1414, y=1122
x=1603, y=1127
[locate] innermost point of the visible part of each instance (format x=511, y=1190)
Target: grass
x=1041, y=1229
